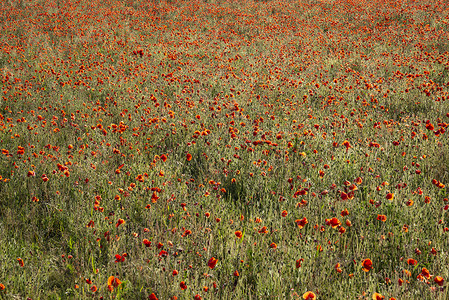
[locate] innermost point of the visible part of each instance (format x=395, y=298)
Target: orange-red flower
x=426, y=273
x=2, y=287
x=44, y=178
x=298, y=263
x=146, y=242
x=212, y=262
x=113, y=282
x=20, y=261
x=301, y=222
x=238, y=234
x=120, y=222
x=409, y=202
x=367, y=265
x=377, y=296
x=182, y=285
x=337, y=268
x=189, y=157
x=321, y=173
x=264, y=229
x=412, y=261
x=273, y=246
x=152, y=297
x=120, y=258
x=382, y=218
x=334, y=222
x=390, y=196
x=439, y=280
x=309, y=296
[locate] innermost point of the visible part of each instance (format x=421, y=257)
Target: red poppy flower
x=264, y=229
x=301, y=222
x=20, y=262
x=183, y=285
x=390, y=196
x=367, y=265
x=439, y=280
x=113, y=282
x=382, y=218
x=189, y=157
x=426, y=273
x=120, y=258
x=377, y=296
x=321, y=173
x=152, y=297
x=298, y=263
x=412, y=261
x=212, y=262
x=334, y=222
x=146, y=242
x=309, y=296
x=273, y=246
x=238, y=234
x=120, y=222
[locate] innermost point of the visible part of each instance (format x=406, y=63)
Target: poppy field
x=222, y=149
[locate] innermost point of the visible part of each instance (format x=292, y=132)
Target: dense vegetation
x=224, y=150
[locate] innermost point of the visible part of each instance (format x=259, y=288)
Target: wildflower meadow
x=224, y=149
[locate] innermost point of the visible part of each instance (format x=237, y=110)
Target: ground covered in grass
x=224, y=150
